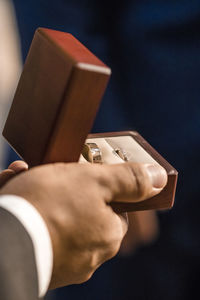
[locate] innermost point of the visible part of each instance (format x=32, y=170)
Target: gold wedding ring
x=92, y=153
x=121, y=154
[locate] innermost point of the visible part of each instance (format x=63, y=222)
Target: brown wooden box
x=56, y=100
x=165, y=199
x=55, y=104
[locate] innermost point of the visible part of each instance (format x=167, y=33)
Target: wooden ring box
x=54, y=107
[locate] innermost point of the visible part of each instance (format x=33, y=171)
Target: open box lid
x=56, y=100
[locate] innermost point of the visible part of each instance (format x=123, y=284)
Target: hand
x=74, y=201
x=15, y=168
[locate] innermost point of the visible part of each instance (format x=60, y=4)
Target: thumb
x=133, y=182
x=6, y=175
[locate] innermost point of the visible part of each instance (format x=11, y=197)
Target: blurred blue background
x=153, y=49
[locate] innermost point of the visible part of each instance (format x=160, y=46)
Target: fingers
x=14, y=168
x=5, y=176
x=18, y=166
x=113, y=234
x=133, y=182
x=124, y=222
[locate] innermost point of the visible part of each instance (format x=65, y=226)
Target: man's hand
x=74, y=201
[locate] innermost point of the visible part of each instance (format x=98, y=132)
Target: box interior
x=132, y=150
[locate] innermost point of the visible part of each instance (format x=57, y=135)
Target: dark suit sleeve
x=18, y=273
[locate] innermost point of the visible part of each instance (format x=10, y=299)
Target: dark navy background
x=153, y=49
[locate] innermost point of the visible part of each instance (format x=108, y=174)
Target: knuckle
x=89, y=261
x=88, y=276
x=111, y=244
x=84, y=277
x=112, y=250
x=100, y=178
x=142, y=184
x=101, y=174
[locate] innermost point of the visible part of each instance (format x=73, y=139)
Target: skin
x=13, y=169
x=73, y=199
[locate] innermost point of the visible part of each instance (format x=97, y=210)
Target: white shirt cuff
x=34, y=224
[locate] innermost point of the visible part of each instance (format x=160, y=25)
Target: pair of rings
x=92, y=153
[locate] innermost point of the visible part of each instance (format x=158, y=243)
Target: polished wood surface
x=56, y=100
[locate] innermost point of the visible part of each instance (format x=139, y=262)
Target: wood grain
x=56, y=100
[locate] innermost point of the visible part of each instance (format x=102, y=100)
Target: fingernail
x=158, y=176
